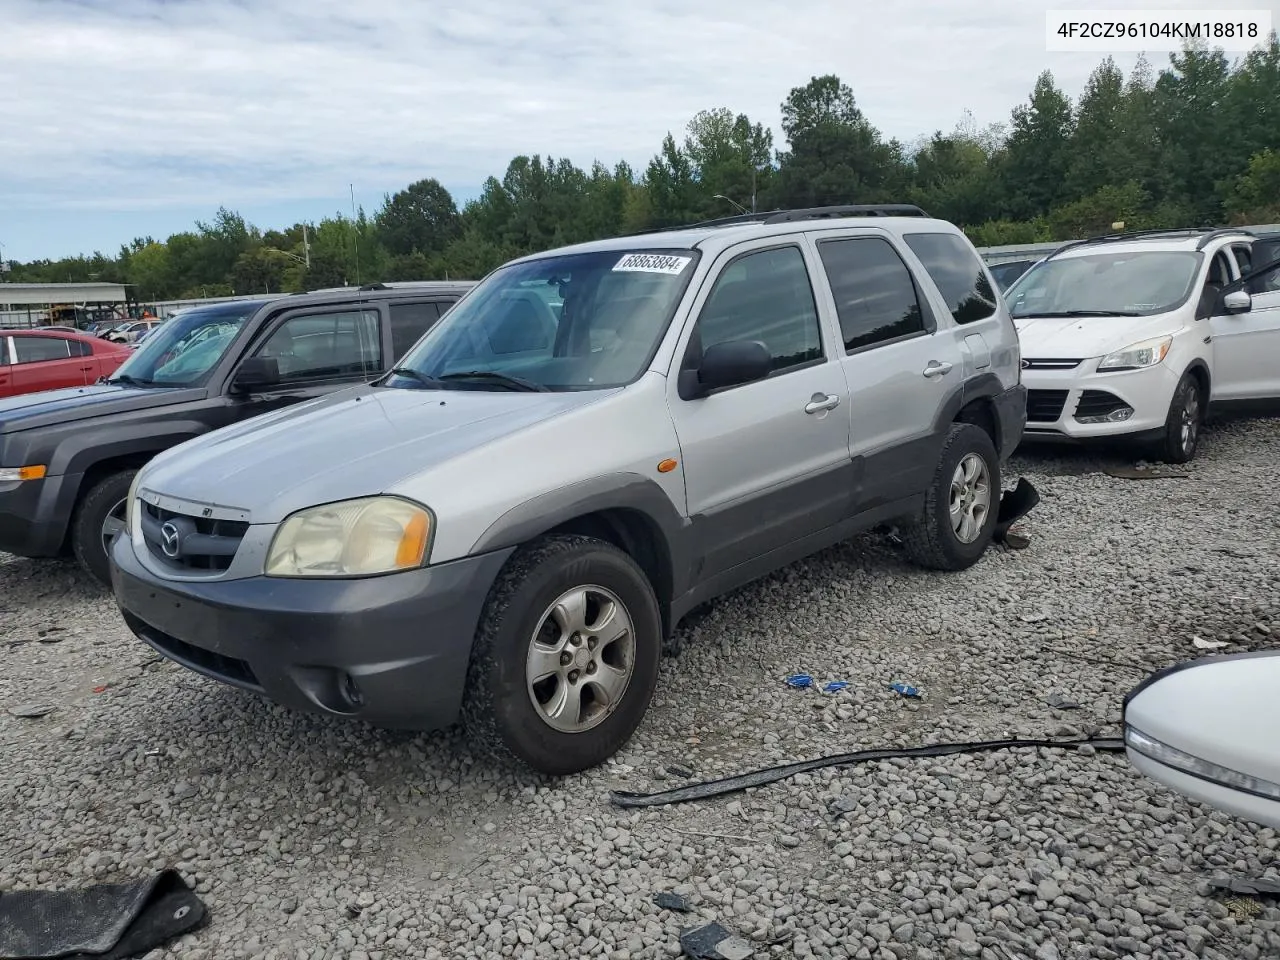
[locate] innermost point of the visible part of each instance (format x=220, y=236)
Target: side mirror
x=1237, y=301
x=726, y=365
x=256, y=373
x=1206, y=729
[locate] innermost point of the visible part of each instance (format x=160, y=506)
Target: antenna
x=355, y=235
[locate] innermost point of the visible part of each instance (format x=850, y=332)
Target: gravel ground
x=314, y=839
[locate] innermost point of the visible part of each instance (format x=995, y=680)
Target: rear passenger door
x=900, y=360
x=765, y=463
x=48, y=363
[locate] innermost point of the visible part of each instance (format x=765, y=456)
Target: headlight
x=1161, y=752
x=353, y=538
x=1145, y=354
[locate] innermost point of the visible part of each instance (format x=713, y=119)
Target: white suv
x=1131, y=336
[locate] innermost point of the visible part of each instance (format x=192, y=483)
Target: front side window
x=4, y=351
x=876, y=298
x=182, y=351
x=582, y=321
x=957, y=273
x=764, y=296
x=322, y=346
x=39, y=349
x=1266, y=281
x=1122, y=284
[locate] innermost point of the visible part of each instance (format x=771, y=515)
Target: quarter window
x=875, y=296
x=765, y=296
x=323, y=346
x=957, y=273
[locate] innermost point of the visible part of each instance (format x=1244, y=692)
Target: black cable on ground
x=757, y=778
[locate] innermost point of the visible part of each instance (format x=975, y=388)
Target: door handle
x=936, y=369
x=821, y=402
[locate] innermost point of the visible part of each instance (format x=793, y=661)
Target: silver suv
x=592, y=442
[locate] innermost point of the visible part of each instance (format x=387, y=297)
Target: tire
x=103, y=500
x=1182, y=426
x=505, y=713
x=931, y=539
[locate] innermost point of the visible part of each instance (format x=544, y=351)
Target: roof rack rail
x=807, y=213
x=1206, y=234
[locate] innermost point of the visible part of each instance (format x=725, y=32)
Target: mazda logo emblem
x=170, y=541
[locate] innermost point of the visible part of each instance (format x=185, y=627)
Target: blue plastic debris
x=835, y=686
x=799, y=681
x=905, y=689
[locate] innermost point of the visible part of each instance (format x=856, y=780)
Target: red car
x=32, y=360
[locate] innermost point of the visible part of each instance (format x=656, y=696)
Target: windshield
x=179, y=352
x=1138, y=284
x=574, y=322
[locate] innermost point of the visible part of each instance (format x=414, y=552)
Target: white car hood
x=1083, y=338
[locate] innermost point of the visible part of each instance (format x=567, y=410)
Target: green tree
x=835, y=154
x=1037, y=153
x=421, y=218
x=1254, y=196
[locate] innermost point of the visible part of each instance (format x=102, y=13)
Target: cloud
x=137, y=105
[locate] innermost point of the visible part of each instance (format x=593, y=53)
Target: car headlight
x=352, y=538
x=1161, y=752
x=1138, y=355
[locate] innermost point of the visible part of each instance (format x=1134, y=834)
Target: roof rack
x=1206, y=234
x=808, y=213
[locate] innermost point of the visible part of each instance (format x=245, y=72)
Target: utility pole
x=306, y=247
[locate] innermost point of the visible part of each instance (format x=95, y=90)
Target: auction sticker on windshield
x=651, y=263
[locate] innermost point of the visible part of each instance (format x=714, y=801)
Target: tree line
x=1197, y=143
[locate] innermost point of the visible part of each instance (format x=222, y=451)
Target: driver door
x=316, y=352
x=1246, y=345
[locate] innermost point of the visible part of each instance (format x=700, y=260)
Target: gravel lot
x=313, y=839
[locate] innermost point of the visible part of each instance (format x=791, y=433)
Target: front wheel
x=1182, y=426
x=961, y=505
x=566, y=656
x=98, y=518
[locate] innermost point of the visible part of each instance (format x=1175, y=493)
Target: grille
x=202, y=543
x=1045, y=406
x=227, y=669
x=1097, y=403
x=1029, y=364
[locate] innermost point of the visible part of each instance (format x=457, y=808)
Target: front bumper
x=1057, y=399
x=34, y=515
x=392, y=650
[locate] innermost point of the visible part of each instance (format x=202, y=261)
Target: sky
x=129, y=118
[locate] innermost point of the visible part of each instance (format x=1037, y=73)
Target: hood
x=1082, y=338
x=52, y=407
x=355, y=443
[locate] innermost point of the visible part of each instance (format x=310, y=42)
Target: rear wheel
x=566, y=656
x=1182, y=426
x=961, y=505
x=98, y=518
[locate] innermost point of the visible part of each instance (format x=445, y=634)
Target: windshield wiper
x=1079, y=313
x=129, y=381
x=515, y=383
x=412, y=374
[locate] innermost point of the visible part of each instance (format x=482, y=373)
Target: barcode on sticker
x=651, y=263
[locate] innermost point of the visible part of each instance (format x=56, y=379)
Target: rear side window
x=765, y=296
x=875, y=296
x=957, y=272
x=79, y=348
x=37, y=349
x=409, y=321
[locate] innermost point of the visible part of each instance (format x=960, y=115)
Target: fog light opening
x=1118, y=415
